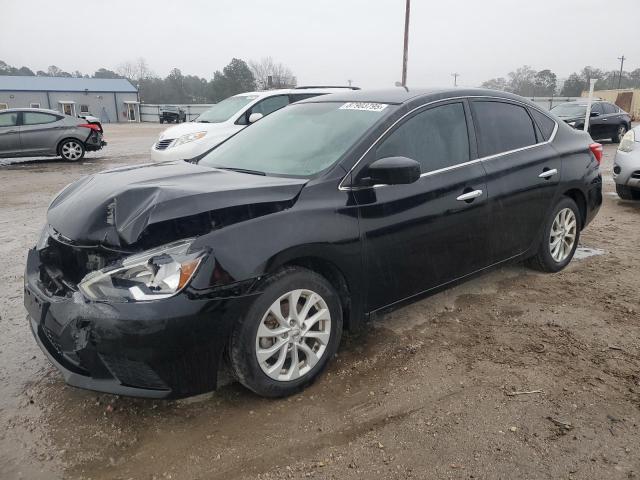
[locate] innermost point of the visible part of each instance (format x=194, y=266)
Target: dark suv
x=172, y=114
x=607, y=121
x=147, y=277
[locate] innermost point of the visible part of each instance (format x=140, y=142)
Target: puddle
x=586, y=252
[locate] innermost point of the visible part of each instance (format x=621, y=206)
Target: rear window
x=545, y=124
x=502, y=127
x=36, y=118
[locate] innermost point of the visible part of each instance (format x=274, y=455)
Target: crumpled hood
x=114, y=207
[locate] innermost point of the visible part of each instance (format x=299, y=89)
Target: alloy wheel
x=563, y=235
x=71, y=151
x=293, y=335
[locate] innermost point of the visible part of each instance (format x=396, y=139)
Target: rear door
x=421, y=235
x=9, y=134
x=599, y=124
x=523, y=172
x=40, y=132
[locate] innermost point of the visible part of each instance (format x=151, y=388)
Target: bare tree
x=135, y=71
x=269, y=74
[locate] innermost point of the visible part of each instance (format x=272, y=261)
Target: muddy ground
x=424, y=392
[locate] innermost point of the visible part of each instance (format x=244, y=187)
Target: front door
x=9, y=134
x=422, y=235
x=132, y=114
x=523, y=172
x=599, y=124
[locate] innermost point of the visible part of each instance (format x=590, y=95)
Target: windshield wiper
x=243, y=170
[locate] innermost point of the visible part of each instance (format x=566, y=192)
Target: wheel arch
x=579, y=197
x=334, y=276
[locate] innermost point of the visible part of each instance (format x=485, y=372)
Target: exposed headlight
x=151, y=275
x=189, y=137
x=628, y=142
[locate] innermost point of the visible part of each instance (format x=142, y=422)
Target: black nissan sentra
x=146, y=278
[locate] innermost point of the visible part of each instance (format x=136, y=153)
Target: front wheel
x=288, y=335
x=560, y=238
x=72, y=150
x=620, y=132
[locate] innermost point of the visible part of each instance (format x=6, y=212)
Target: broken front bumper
x=168, y=348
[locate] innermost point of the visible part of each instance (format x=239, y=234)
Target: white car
x=188, y=140
x=626, y=166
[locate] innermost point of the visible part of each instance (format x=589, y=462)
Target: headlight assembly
x=628, y=142
x=151, y=275
x=189, y=137
x=572, y=124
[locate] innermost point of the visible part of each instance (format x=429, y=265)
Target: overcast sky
x=325, y=41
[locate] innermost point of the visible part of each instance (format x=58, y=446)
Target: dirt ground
x=425, y=392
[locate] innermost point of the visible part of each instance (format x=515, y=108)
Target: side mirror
x=393, y=171
x=595, y=114
x=254, y=117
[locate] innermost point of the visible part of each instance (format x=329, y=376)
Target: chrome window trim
x=460, y=165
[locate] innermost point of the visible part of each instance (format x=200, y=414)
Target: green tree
x=499, y=83
x=235, y=78
x=573, y=86
x=545, y=83
x=105, y=73
x=522, y=81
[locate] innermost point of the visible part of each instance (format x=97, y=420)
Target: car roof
x=400, y=95
x=300, y=90
x=42, y=110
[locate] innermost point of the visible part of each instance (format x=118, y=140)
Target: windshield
x=223, y=111
x=299, y=140
x=570, y=110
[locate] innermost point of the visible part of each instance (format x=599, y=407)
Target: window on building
x=502, y=127
x=3, y=106
x=84, y=108
x=436, y=138
x=37, y=118
x=34, y=105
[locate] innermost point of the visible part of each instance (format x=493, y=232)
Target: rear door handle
x=548, y=173
x=465, y=197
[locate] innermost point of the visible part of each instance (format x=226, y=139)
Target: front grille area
x=133, y=374
x=163, y=144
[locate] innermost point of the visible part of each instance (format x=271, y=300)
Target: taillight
x=596, y=149
x=92, y=126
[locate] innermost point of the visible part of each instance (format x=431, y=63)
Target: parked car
x=225, y=119
x=626, y=166
x=146, y=277
x=172, y=114
x=36, y=132
x=607, y=121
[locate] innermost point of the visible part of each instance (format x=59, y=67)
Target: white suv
x=190, y=139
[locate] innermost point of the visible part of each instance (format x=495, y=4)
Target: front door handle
x=469, y=196
x=548, y=173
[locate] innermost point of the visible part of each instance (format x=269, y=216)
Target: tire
x=627, y=193
x=275, y=375
x=620, y=132
x=548, y=258
x=71, y=150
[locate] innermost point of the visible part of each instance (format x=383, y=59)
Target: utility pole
x=405, y=56
x=349, y=82
x=622, y=59
x=455, y=79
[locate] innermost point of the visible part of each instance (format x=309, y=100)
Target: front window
x=570, y=110
x=300, y=140
x=223, y=111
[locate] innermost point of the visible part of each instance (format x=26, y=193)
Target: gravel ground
x=426, y=392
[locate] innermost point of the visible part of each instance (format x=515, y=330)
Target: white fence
x=151, y=113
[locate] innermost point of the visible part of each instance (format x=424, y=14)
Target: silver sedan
x=626, y=166
x=35, y=132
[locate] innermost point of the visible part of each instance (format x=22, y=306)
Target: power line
x=622, y=59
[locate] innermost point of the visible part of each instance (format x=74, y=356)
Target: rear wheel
x=620, y=132
x=560, y=238
x=72, y=150
x=288, y=335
